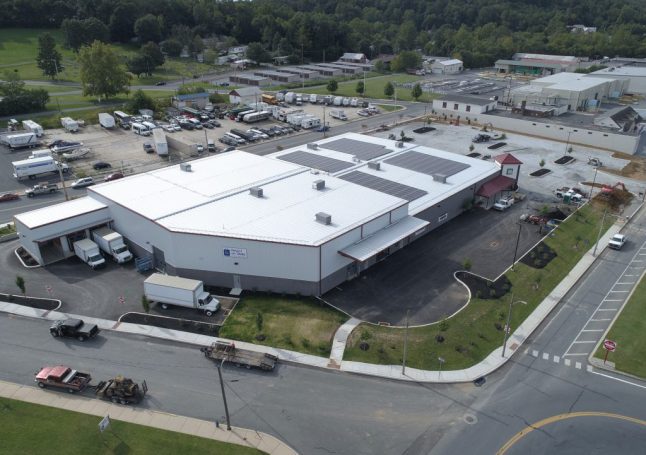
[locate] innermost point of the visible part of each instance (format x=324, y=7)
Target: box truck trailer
x=21, y=140
x=111, y=243
x=32, y=127
x=173, y=290
x=36, y=166
x=70, y=124
x=89, y=252
x=159, y=138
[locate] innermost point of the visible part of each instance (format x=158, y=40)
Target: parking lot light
x=507, y=328
x=520, y=227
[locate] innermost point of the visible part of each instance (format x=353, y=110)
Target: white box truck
x=89, y=252
x=32, y=127
x=21, y=140
x=290, y=97
x=40, y=153
x=159, y=138
x=338, y=114
x=184, y=292
x=338, y=101
x=106, y=120
x=111, y=243
x=70, y=124
x=36, y=166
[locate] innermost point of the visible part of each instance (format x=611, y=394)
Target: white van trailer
x=30, y=125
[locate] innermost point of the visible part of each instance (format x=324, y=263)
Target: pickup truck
x=73, y=328
x=41, y=188
x=62, y=377
x=503, y=204
x=617, y=241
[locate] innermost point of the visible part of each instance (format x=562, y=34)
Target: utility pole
x=405, y=345
x=594, y=180
x=60, y=174
x=224, y=397
x=603, y=220
x=520, y=227
x=507, y=328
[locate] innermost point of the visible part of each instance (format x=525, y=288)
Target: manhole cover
x=470, y=419
x=494, y=244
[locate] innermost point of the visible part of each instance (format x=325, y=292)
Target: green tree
x=360, y=88
x=139, y=64
x=332, y=86
x=101, y=74
x=197, y=45
x=48, y=58
x=389, y=89
x=140, y=100
x=172, y=47
x=82, y=32
x=152, y=51
x=405, y=60
x=257, y=53
x=417, y=91
x=380, y=66
x=148, y=28
x=122, y=22
x=20, y=282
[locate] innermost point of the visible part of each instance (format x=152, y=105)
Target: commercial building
x=322, y=70
x=249, y=79
x=449, y=66
x=198, y=100
x=301, y=220
x=301, y=73
x=623, y=119
x=463, y=104
x=538, y=64
x=345, y=69
x=350, y=57
x=635, y=74
x=245, y=95
x=278, y=76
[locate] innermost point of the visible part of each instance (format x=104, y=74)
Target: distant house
x=580, y=28
x=350, y=57
x=191, y=100
x=245, y=95
x=239, y=51
x=450, y=66
x=386, y=59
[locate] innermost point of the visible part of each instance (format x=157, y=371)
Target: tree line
x=477, y=31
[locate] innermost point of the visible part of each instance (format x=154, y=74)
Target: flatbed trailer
x=121, y=390
x=227, y=352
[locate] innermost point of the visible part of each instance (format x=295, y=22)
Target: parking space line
x=629, y=282
x=567, y=362
x=607, y=309
x=618, y=291
x=577, y=365
x=535, y=353
x=575, y=354
x=557, y=359
x=584, y=342
x=600, y=320
x=612, y=300
x=592, y=330
x=545, y=356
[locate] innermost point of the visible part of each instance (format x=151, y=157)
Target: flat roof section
x=384, y=186
x=322, y=163
x=427, y=164
x=365, y=151
x=59, y=212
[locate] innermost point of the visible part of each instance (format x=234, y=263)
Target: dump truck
x=228, y=352
x=62, y=377
x=121, y=390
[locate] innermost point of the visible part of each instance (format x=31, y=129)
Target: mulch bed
x=184, y=325
x=473, y=155
x=26, y=257
x=497, y=145
x=41, y=304
x=565, y=160
x=539, y=256
x=424, y=129
x=482, y=288
x=540, y=172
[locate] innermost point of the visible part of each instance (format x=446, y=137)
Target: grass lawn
x=472, y=334
x=77, y=100
x=302, y=325
x=30, y=429
x=389, y=107
x=629, y=331
x=375, y=88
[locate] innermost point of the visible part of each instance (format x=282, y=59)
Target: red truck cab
x=62, y=377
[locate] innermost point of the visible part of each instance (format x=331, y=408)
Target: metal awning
x=380, y=240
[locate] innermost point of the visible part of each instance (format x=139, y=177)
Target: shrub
x=306, y=343
x=443, y=325
x=492, y=293
x=466, y=264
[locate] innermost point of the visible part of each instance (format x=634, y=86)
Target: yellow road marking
x=525, y=431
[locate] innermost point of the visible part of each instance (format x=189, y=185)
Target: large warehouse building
x=301, y=220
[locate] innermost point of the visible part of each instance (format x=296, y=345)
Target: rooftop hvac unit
x=312, y=146
x=374, y=165
x=439, y=178
x=318, y=185
x=256, y=191
x=356, y=159
x=186, y=167
x=324, y=218
x=400, y=144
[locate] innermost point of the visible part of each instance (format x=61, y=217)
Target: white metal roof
x=574, y=82
x=634, y=71
x=453, y=61
x=372, y=245
x=58, y=212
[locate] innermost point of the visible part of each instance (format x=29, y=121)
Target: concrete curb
x=155, y=419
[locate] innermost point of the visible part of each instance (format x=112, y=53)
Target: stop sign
x=609, y=345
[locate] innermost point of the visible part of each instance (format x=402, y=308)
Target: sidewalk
x=161, y=420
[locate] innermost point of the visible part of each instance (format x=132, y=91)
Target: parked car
x=73, y=328
x=207, y=125
x=114, y=176
x=101, y=165
x=82, y=183
x=215, y=123
x=617, y=241
x=228, y=149
x=160, y=83
x=9, y=197
x=323, y=129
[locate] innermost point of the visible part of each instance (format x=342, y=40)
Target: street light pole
x=603, y=220
x=60, y=174
x=507, y=328
x=594, y=180
x=405, y=345
x=224, y=397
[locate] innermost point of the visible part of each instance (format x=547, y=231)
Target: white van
x=238, y=139
x=150, y=125
x=141, y=129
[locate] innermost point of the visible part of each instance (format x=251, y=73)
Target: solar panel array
x=384, y=186
x=322, y=163
x=365, y=151
x=427, y=164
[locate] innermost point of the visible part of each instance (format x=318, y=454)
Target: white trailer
x=106, y=120
x=70, y=124
x=89, y=252
x=313, y=99
x=290, y=97
x=159, y=138
x=111, y=243
x=37, y=166
x=338, y=114
x=310, y=122
x=296, y=118
x=173, y=290
x=33, y=127
x=40, y=153
x=22, y=140
x=338, y=101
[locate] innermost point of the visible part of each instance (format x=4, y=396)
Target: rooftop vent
x=256, y=191
x=356, y=159
x=374, y=165
x=400, y=144
x=318, y=185
x=312, y=146
x=323, y=218
x=439, y=178
x=186, y=167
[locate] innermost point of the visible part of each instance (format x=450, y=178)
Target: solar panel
x=427, y=164
x=322, y=163
x=382, y=185
x=365, y=151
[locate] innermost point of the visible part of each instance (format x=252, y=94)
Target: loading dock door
x=159, y=261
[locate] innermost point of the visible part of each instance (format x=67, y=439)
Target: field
x=629, y=331
x=375, y=88
x=476, y=331
x=302, y=325
x=30, y=429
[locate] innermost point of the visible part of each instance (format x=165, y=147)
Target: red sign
x=609, y=345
